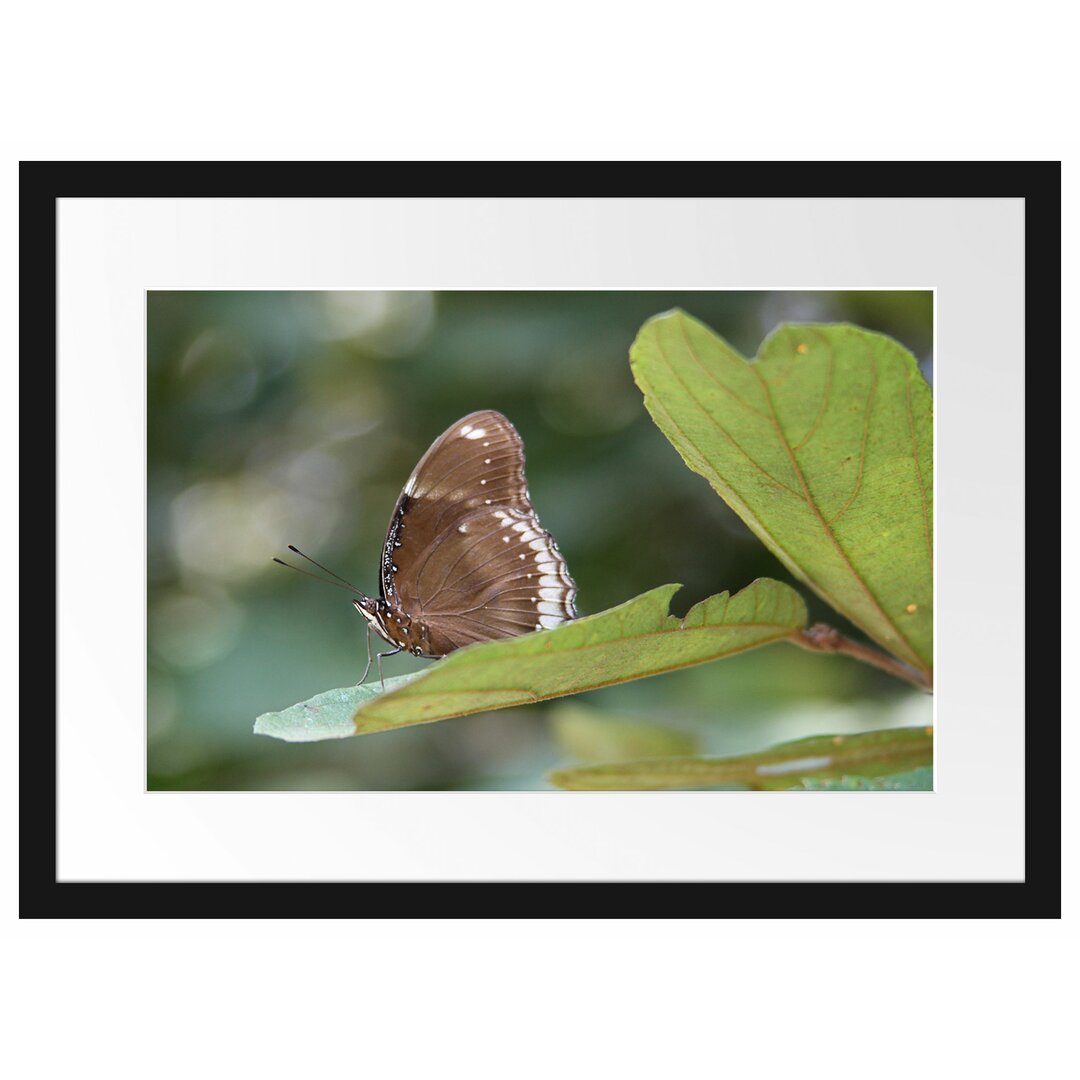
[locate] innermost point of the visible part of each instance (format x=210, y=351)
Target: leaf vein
x=808, y=497
x=716, y=423
x=824, y=400
x=712, y=374
x=862, y=445
x=408, y=691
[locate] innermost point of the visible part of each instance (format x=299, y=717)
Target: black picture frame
x=43, y=183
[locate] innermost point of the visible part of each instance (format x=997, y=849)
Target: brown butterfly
x=465, y=558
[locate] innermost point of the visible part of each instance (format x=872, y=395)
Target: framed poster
x=250, y=357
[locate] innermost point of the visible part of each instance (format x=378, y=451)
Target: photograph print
x=540, y=541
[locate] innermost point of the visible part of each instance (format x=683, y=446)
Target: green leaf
x=325, y=716
x=921, y=779
x=823, y=446
x=875, y=753
x=592, y=736
x=631, y=641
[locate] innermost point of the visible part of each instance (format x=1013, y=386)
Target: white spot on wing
x=473, y=433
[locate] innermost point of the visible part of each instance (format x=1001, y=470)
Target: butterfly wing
x=465, y=552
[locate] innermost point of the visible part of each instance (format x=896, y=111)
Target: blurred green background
x=296, y=417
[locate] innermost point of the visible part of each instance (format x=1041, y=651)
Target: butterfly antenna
x=307, y=573
x=325, y=570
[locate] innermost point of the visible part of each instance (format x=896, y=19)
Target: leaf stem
x=824, y=638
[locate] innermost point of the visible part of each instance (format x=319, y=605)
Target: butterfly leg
x=392, y=652
x=368, y=668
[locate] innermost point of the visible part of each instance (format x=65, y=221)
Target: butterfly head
x=376, y=611
x=368, y=606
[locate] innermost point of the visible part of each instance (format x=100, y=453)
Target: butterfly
x=465, y=557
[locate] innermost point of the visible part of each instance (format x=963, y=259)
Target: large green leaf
x=823, y=446
x=631, y=641
x=821, y=757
